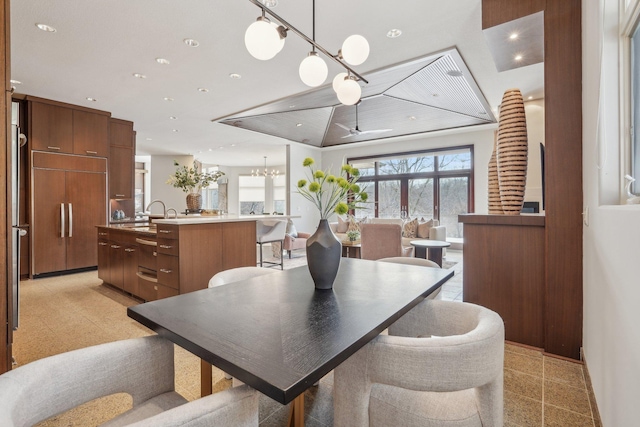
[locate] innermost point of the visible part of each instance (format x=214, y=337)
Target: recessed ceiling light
x=233, y=145
x=203, y=89
x=531, y=97
x=174, y=130
x=412, y=117
x=166, y=98
x=47, y=28
x=173, y=118
x=149, y=139
x=392, y=34
x=454, y=73
x=291, y=106
x=518, y=58
x=298, y=124
x=162, y=61
x=235, y=76
x=15, y=82
x=221, y=147
x=191, y=42
x=513, y=36
x=210, y=149
x=139, y=76
x=91, y=99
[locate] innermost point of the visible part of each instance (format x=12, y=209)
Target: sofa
x=432, y=231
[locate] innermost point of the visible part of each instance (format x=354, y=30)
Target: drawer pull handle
x=129, y=250
x=91, y=152
x=147, y=277
x=53, y=148
x=102, y=234
x=166, y=246
x=102, y=243
x=164, y=270
x=115, y=246
x=146, y=242
x=155, y=253
x=164, y=231
x=119, y=195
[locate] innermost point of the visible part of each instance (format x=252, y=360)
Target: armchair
x=382, y=241
x=141, y=367
x=440, y=365
x=298, y=242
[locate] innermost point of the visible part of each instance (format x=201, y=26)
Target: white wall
x=298, y=205
x=161, y=168
x=611, y=335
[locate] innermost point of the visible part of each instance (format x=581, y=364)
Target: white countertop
x=210, y=219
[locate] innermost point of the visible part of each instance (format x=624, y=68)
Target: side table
x=430, y=249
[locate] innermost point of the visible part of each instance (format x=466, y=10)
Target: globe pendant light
x=337, y=80
x=355, y=49
x=313, y=70
x=263, y=39
x=349, y=91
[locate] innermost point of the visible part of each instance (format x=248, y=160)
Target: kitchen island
x=175, y=256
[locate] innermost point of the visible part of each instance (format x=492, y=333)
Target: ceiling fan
x=356, y=131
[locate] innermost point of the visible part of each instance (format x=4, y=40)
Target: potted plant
x=330, y=194
x=191, y=181
x=353, y=235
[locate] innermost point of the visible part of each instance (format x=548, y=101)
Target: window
x=139, y=184
x=279, y=193
x=210, y=193
x=251, y=192
x=635, y=110
x=430, y=184
x=630, y=90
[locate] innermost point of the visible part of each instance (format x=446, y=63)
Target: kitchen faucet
x=175, y=212
x=164, y=208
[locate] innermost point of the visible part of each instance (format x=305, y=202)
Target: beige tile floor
x=64, y=313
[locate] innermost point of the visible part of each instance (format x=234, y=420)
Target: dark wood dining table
x=278, y=334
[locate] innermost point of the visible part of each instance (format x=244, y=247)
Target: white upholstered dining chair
x=440, y=365
x=422, y=262
x=141, y=367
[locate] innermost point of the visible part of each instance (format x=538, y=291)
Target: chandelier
x=265, y=172
x=264, y=39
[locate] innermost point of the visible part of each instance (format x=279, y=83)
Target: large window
x=280, y=194
x=429, y=184
x=251, y=194
x=630, y=90
x=210, y=193
x=635, y=110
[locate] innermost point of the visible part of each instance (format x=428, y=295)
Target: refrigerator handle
x=70, y=220
x=62, y=220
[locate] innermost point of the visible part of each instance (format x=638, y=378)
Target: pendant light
x=313, y=70
x=264, y=39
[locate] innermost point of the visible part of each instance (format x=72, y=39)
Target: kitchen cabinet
x=61, y=128
x=69, y=199
x=118, y=259
x=121, y=159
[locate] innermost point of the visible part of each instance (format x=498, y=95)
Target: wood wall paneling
x=563, y=142
x=563, y=138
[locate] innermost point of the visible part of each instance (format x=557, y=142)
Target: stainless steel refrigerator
x=17, y=140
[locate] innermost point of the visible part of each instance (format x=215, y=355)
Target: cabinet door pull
x=164, y=270
x=164, y=231
x=115, y=246
x=102, y=244
x=70, y=220
x=119, y=195
x=129, y=250
x=91, y=152
x=62, y=220
x=166, y=246
x=53, y=148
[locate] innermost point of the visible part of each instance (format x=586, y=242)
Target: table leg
x=206, y=388
x=420, y=252
x=345, y=251
x=296, y=412
x=435, y=255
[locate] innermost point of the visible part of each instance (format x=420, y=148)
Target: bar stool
x=269, y=231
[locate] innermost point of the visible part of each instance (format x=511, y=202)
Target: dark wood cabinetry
x=118, y=259
x=64, y=128
x=69, y=199
x=121, y=159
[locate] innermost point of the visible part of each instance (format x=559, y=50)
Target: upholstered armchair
x=382, y=241
x=298, y=242
x=440, y=365
x=141, y=367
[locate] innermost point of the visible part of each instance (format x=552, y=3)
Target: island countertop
x=210, y=219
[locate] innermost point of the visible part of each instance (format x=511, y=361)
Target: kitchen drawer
x=167, y=246
x=167, y=231
x=147, y=255
x=103, y=234
x=166, y=292
x=169, y=271
x=147, y=287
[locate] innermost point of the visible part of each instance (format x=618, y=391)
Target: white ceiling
x=100, y=44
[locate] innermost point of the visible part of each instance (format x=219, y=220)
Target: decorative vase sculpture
x=512, y=152
x=495, y=204
x=194, y=201
x=323, y=256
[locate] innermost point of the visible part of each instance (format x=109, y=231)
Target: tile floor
x=68, y=312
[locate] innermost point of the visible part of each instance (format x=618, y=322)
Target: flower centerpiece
x=330, y=194
x=192, y=181
x=353, y=235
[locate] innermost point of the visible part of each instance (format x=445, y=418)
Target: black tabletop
x=277, y=333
